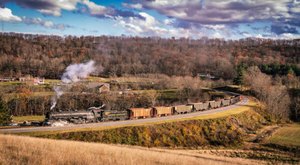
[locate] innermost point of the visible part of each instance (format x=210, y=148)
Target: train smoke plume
x=75, y=72
x=58, y=93
x=72, y=74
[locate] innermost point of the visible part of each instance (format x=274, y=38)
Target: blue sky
x=229, y=19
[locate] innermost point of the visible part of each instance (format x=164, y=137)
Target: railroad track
x=125, y=122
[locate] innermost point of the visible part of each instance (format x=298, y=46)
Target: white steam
x=58, y=93
x=75, y=72
x=72, y=74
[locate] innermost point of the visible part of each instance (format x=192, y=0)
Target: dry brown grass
x=35, y=151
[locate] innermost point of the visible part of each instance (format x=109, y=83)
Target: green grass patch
x=50, y=81
x=10, y=83
x=98, y=79
x=41, y=94
x=28, y=118
x=168, y=94
x=287, y=135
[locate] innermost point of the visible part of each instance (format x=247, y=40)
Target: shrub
x=5, y=117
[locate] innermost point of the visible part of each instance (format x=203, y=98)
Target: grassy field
x=35, y=151
x=10, y=83
x=287, y=136
x=20, y=119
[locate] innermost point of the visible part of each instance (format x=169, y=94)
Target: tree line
x=48, y=56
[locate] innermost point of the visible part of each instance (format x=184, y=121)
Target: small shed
x=103, y=88
x=98, y=87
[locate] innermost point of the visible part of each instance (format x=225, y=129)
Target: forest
x=48, y=56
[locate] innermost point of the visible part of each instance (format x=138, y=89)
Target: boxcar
x=114, y=115
x=136, y=113
x=200, y=106
x=225, y=102
x=161, y=111
x=180, y=109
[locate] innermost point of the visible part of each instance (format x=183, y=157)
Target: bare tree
x=274, y=95
x=152, y=95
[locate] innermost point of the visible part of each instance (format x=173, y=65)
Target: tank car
x=113, y=115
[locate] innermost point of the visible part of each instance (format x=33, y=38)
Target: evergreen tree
x=240, y=70
x=5, y=117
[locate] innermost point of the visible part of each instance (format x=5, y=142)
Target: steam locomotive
x=98, y=114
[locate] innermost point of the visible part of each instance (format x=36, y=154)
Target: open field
x=286, y=136
x=35, y=151
x=10, y=83
x=20, y=119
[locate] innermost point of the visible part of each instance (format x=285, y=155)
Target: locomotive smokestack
x=73, y=74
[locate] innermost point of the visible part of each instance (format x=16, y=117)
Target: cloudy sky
x=229, y=19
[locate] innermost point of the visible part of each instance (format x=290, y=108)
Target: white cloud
x=215, y=27
x=44, y=23
x=6, y=15
x=133, y=6
x=284, y=36
x=217, y=35
x=54, y=7
x=149, y=26
x=225, y=11
x=55, y=12
x=94, y=8
x=289, y=36
x=169, y=21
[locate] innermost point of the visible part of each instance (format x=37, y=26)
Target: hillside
x=286, y=138
x=35, y=151
x=30, y=54
x=224, y=131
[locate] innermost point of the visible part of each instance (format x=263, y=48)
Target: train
x=98, y=114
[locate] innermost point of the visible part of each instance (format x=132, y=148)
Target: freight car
x=181, y=109
x=214, y=104
x=161, y=111
x=235, y=99
x=225, y=102
x=113, y=115
x=202, y=106
x=95, y=114
x=137, y=113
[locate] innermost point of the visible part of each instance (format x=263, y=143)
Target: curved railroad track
x=126, y=122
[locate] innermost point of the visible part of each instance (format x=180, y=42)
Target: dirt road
x=125, y=122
